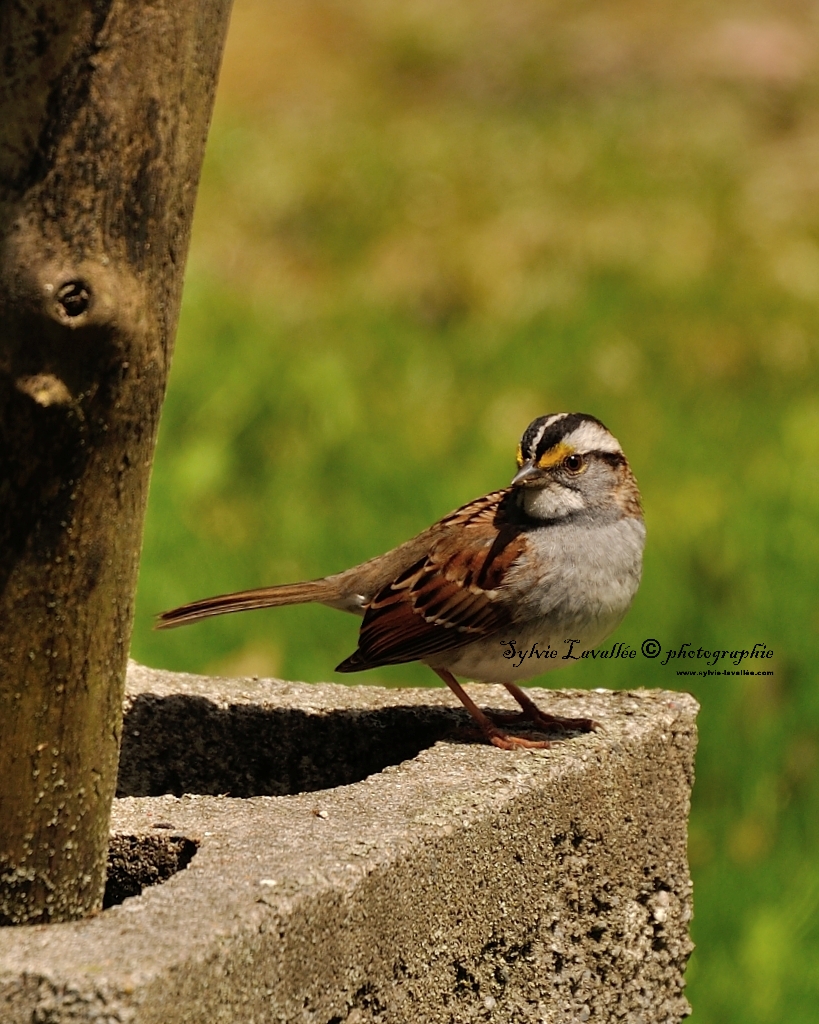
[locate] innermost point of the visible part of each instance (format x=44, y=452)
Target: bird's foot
x=505, y=741
x=480, y=733
x=530, y=712
x=541, y=720
x=530, y=715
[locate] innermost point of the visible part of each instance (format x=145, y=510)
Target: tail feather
x=246, y=600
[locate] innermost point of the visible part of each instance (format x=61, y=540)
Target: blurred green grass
x=419, y=226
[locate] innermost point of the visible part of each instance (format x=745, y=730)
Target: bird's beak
x=526, y=471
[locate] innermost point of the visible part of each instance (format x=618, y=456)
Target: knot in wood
x=74, y=298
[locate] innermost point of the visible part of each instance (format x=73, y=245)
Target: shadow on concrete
x=135, y=862
x=188, y=744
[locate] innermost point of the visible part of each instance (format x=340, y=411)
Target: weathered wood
x=104, y=110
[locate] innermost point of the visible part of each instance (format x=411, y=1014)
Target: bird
x=515, y=583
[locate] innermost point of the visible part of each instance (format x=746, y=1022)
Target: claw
x=531, y=715
x=507, y=742
x=550, y=723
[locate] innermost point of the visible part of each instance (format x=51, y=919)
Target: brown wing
x=451, y=595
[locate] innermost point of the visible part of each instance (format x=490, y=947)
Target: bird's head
x=568, y=464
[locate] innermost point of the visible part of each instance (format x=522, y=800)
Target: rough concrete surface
x=340, y=854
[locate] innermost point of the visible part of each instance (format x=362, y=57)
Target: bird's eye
x=574, y=463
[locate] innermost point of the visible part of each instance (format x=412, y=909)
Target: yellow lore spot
x=555, y=455
x=519, y=456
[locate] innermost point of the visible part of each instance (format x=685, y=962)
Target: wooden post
x=104, y=110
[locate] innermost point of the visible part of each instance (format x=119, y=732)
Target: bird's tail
x=323, y=591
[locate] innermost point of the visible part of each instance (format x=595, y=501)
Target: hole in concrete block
x=187, y=744
x=135, y=862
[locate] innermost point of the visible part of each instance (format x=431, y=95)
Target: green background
x=420, y=225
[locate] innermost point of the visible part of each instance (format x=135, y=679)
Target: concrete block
x=319, y=854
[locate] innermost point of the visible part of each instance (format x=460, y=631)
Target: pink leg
x=497, y=737
x=532, y=713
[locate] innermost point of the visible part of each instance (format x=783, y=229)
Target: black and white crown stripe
x=583, y=432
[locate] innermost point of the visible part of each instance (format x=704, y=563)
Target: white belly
x=519, y=654
x=586, y=586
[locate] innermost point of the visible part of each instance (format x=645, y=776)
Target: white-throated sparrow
x=555, y=557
